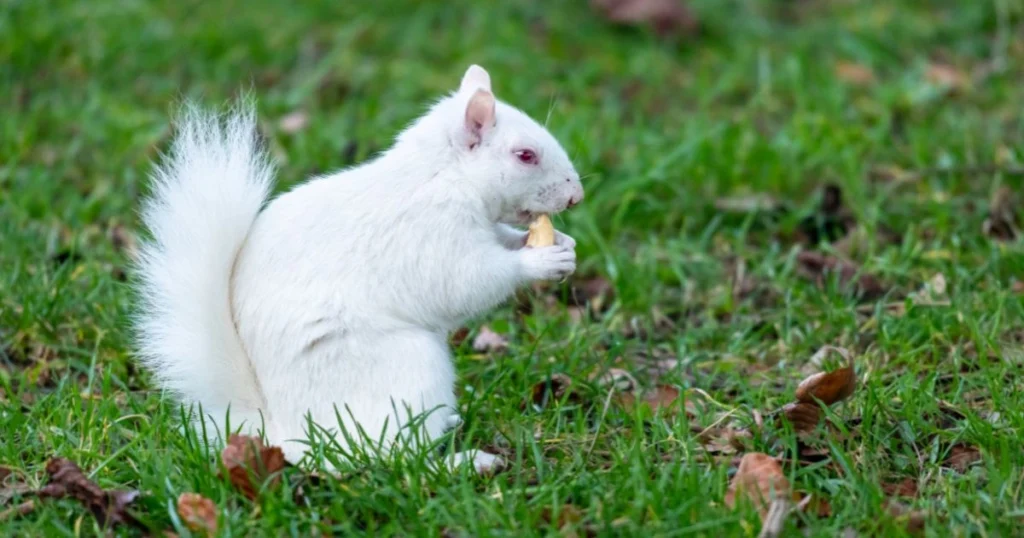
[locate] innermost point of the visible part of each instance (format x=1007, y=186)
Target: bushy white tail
x=206, y=195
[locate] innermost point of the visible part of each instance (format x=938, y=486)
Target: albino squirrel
x=336, y=299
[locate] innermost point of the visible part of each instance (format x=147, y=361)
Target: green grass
x=661, y=130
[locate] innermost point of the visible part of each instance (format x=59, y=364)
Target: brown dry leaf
x=856, y=74
x=247, y=458
x=617, y=379
x=759, y=479
x=962, y=457
x=198, y=513
x=568, y=516
x=459, y=336
x=108, y=506
x=913, y=519
x=803, y=416
x=1003, y=221
x=665, y=16
x=829, y=387
x=817, y=266
x=594, y=293
x=655, y=399
x=904, y=488
x=725, y=440
x=550, y=390
x=4, y=473
x=948, y=76
x=810, y=454
x=293, y=122
x=487, y=340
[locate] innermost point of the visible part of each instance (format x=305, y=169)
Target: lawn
x=792, y=176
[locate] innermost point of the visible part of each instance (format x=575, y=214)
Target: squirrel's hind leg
x=483, y=463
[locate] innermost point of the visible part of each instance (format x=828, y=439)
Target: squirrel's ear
x=479, y=116
x=476, y=78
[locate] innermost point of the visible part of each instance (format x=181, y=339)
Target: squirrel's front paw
x=564, y=240
x=549, y=263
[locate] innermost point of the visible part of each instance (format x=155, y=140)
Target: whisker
x=551, y=108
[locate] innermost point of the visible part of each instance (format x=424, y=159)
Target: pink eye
x=526, y=156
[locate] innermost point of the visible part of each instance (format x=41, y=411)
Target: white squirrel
x=336, y=299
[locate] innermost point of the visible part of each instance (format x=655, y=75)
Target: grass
x=662, y=129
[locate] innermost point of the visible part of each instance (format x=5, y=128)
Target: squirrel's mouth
x=525, y=217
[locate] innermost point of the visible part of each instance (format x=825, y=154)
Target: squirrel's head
x=509, y=159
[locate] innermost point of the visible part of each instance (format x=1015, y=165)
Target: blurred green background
x=913, y=110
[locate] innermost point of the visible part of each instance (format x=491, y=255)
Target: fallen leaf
x=594, y=293
x=809, y=454
x=904, y=488
x=108, y=507
x=803, y=416
x=665, y=16
x=198, y=513
x=617, y=379
x=1003, y=221
x=962, y=457
x=817, y=266
x=247, y=458
x=459, y=336
x=829, y=387
x=552, y=389
x=655, y=399
x=4, y=473
x=293, y=122
x=568, y=517
x=948, y=76
x=853, y=73
x=913, y=519
x=487, y=341
x=724, y=440
x=759, y=479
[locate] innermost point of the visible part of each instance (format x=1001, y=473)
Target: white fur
x=337, y=299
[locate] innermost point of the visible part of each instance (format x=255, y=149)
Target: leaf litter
x=667, y=17
x=250, y=464
x=66, y=480
x=198, y=513
x=760, y=482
